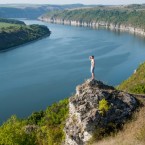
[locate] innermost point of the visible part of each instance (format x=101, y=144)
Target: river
x=35, y=75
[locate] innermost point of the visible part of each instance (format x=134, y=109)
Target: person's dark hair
x=92, y=56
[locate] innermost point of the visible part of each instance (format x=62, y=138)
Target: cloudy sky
x=73, y=1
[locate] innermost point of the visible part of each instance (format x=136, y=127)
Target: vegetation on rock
x=132, y=133
x=95, y=111
x=103, y=106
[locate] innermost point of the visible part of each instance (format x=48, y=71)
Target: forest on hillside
x=132, y=15
x=14, y=33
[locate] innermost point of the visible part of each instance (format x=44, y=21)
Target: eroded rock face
x=84, y=113
x=111, y=26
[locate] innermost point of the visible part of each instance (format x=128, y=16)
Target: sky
x=104, y=2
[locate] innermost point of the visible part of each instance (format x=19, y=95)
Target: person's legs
x=93, y=76
x=92, y=72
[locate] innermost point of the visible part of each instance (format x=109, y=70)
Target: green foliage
x=3, y=25
x=103, y=106
x=12, y=133
x=135, y=83
x=139, y=89
x=49, y=127
x=126, y=16
x=11, y=21
x=12, y=34
x=36, y=117
x=56, y=114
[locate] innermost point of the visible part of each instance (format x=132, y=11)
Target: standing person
x=92, y=66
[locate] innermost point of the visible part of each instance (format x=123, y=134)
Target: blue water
x=35, y=75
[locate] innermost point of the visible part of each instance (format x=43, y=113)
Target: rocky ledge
x=96, y=105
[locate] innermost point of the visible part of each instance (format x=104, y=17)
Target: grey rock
x=84, y=113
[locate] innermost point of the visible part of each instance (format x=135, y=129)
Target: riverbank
x=121, y=18
x=96, y=25
x=15, y=34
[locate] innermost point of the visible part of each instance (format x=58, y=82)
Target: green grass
x=6, y=25
x=135, y=83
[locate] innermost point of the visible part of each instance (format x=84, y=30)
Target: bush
x=12, y=133
x=44, y=127
x=103, y=106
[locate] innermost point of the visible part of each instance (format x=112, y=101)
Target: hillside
x=11, y=21
x=133, y=133
x=135, y=83
x=14, y=33
x=89, y=115
x=97, y=113
x=44, y=127
x=129, y=18
x=31, y=11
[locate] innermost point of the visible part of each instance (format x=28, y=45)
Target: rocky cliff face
x=86, y=113
x=112, y=26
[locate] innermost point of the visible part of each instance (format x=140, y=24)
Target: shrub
x=41, y=128
x=12, y=132
x=103, y=106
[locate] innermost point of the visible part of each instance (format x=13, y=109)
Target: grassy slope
x=135, y=83
x=46, y=127
x=133, y=132
x=5, y=25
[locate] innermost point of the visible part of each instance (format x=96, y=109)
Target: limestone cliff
x=111, y=26
x=86, y=115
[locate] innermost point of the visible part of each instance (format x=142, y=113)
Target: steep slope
x=113, y=17
x=95, y=111
x=133, y=133
x=136, y=82
x=31, y=11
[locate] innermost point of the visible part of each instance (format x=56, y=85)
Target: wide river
x=35, y=75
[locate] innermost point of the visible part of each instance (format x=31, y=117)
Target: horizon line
x=69, y=4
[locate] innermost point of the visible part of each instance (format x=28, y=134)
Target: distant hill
x=122, y=17
x=32, y=11
x=14, y=33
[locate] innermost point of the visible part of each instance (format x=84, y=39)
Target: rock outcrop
x=85, y=114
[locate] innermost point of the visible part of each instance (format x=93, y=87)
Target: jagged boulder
x=85, y=114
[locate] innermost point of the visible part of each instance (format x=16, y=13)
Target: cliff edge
x=96, y=108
